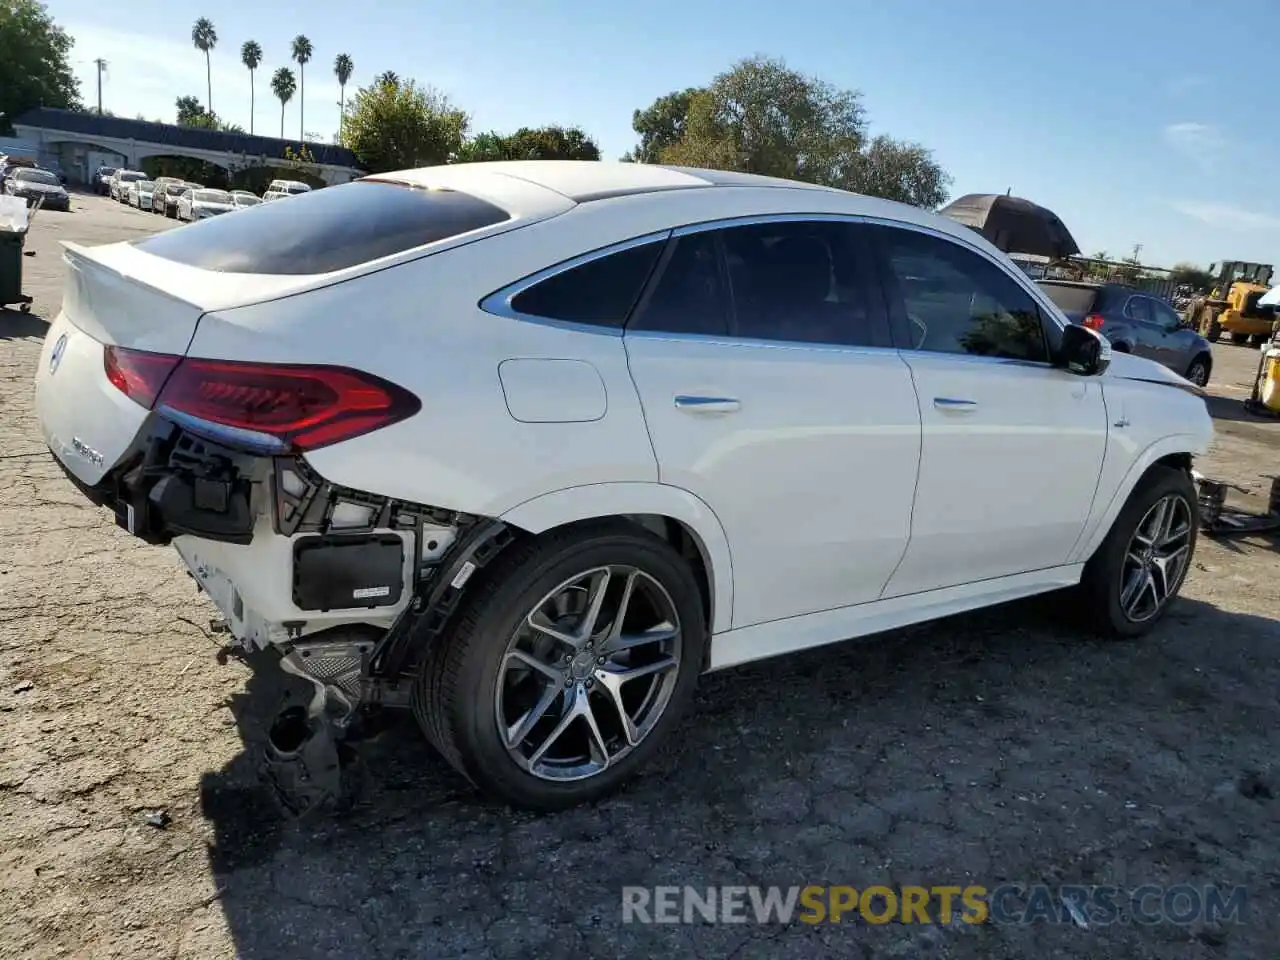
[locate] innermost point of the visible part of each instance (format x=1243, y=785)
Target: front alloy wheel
x=1136, y=572
x=567, y=665
x=1156, y=560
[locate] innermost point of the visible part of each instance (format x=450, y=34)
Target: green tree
x=301, y=53
x=251, y=57
x=204, y=38
x=387, y=78
x=191, y=113
x=34, y=69
x=1197, y=278
x=542, y=143
x=762, y=117
x=660, y=125
x=283, y=86
x=396, y=126
x=343, y=67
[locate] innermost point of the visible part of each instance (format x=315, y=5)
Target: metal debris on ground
x=158, y=819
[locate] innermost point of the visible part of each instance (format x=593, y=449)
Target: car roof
x=538, y=188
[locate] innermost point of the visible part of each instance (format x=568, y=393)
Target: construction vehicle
x=1232, y=306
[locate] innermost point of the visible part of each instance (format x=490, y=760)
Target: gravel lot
x=994, y=747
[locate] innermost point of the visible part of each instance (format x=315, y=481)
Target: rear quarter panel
x=418, y=325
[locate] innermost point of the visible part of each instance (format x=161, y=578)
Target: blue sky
x=1094, y=109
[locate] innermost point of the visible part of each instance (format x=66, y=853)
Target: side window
x=600, y=292
x=689, y=296
x=800, y=282
x=1138, y=309
x=959, y=302
x=1165, y=315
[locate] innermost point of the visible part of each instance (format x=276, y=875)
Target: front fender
x=1100, y=526
x=599, y=500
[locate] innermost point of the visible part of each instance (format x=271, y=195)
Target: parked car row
x=175, y=198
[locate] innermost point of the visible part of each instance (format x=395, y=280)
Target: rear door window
x=1138, y=309
x=325, y=230
x=600, y=292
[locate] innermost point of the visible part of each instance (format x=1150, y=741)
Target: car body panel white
x=1010, y=459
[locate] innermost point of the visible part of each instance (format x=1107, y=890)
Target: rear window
x=325, y=230
x=129, y=177
x=213, y=196
x=297, y=188
x=1072, y=301
x=36, y=176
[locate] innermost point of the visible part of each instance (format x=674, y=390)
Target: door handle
x=951, y=403
x=708, y=404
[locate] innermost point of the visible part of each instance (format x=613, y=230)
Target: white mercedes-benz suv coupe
x=527, y=447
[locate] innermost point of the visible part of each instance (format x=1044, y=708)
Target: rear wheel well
x=682, y=539
x=1204, y=355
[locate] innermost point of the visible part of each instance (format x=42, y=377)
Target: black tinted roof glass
x=325, y=230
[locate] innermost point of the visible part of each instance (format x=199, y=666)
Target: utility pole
x=101, y=65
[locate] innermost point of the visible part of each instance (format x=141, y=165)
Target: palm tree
x=251, y=57
x=343, y=66
x=204, y=38
x=302, y=54
x=283, y=86
x=388, y=78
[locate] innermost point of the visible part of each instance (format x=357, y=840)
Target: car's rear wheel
x=1198, y=371
x=568, y=666
x=1138, y=570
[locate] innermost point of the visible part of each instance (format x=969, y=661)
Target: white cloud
x=1226, y=215
x=146, y=74
x=1201, y=143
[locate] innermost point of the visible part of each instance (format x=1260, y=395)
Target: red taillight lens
x=303, y=407
x=138, y=375
x=1093, y=321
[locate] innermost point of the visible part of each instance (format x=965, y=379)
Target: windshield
x=246, y=201
x=147, y=185
x=175, y=189
x=129, y=176
x=1074, y=301
x=36, y=176
x=296, y=188
x=212, y=196
x=106, y=171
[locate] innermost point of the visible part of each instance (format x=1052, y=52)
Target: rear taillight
x=1093, y=321
x=297, y=407
x=138, y=375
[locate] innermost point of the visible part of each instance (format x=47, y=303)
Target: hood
x=212, y=205
x=38, y=187
x=1126, y=366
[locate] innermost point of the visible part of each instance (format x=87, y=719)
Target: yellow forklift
x=1232, y=306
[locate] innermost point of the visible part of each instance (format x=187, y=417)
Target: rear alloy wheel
x=1198, y=372
x=570, y=663
x=1141, y=565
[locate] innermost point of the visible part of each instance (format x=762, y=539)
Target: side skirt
x=734, y=647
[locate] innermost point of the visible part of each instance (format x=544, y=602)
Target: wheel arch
x=1174, y=451
x=675, y=514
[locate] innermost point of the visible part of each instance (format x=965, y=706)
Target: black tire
x=1100, y=585
x=1199, y=369
x=453, y=694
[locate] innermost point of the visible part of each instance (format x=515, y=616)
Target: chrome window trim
x=726, y=340
x=498, y=303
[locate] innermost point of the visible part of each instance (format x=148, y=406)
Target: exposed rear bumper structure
x=369, y=582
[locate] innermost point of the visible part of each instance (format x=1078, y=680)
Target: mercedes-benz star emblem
x=55, y=358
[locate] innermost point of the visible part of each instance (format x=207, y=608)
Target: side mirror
x=1084, y=352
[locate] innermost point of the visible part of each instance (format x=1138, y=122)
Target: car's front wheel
x=1138, y=570
x=1198, y=371
x=568, y=666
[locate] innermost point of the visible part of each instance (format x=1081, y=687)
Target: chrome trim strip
x=498, y=303
x=724, y=340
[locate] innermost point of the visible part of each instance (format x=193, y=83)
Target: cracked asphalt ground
x=1002, y=746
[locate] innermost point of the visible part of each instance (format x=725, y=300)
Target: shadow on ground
x=1000, y=746
x=16, y=325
